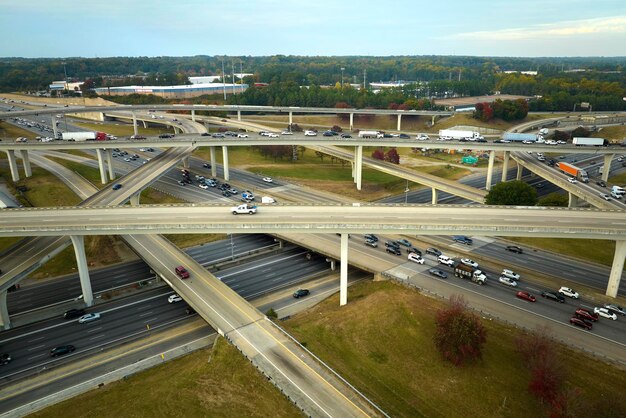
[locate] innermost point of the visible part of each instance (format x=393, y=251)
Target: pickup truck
x=245, y=208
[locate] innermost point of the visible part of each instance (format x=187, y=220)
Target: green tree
x=554, y=199
x=512, y=193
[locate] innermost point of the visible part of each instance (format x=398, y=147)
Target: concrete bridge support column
x=26, y=163
x=213, y=166
x=110, y=162
x=399, y=122
x=15, y=175
x=290, y=119
x=616, y=269
x=343, y=275
x=78, y=241
x=573, y=200
x=353, y=165
x=606, y=168
x=359, y=166
x=435, y=196
x=433, y=120
x=5, y=320
x=134, y=199
x=54, y=126
x=239, y=115
x=103, y=173
x=505, y=165
x=333, y=265
x=135, y=130
x=193, y=115
x=225, y=163
x=351, y=121
x=520, y=169
x=186, y=162
x=145, y=124
x=492, y=157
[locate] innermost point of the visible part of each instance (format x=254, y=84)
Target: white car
x=469, y=262
x=510, y=274
x=444, y=259
x=174, y=298
x=507, y=281
x=268, y=179
x=242, y=135
x=605, y=196
x=203, y=186
x=272, y=135
x=604, y=312
x=415, y=258
x=89, y=317
x=310, y=133
x=572, y=180
x=286, y=133
x=566, y=291
x=422, y=137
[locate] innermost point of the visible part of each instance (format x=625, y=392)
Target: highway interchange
x=612, y=330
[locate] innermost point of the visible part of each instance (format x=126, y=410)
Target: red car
x=585, y=314
x=580, y=323
x=182, y=272
x=526, y=296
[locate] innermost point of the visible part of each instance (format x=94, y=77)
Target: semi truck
x=573, y=171
x=370, y=134
x=464, y=271
x=456, y=135
x=84, y=136
x=510, y=136
x=595, y=142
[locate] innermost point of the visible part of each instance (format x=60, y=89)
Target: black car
x=414, y=251
x=393, y=244
x=5, y=358
x=371, y=237
x=346, y=136
x=557, y=297
x=190, y=310
x=206, y=165
x=62, y=349
x=166, y=136
x=601, y=183
x=462, y=239
x=404, y=136
x=514, y=249
x=205, y=134
x=300, y=293
x=394, y=250
x=73, y=313
x=433, y=251
x=438, y=273
x=327, y=134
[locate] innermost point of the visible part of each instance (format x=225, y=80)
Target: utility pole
x=241, y=74
x=342, y=78
x=364, y=78
x=232, y=67
x=223, y=80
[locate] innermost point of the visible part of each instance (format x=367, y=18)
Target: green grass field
x=122, y=129
x=9, y=132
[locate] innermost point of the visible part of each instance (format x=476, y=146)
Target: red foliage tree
x=392, y=156
x=459, y=336
x=342, y=105
x=378, y=154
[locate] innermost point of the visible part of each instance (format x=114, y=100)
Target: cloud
x=598, y=26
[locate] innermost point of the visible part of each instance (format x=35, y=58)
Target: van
x=444, y=259
x=618, y=189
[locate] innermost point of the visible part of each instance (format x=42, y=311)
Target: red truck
x=573, y=171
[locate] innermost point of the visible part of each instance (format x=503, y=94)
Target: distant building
x=211, y=78
x=520, y=72
x=64, y=85
x=174, y=92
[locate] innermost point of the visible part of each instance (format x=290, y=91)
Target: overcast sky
x=103, y=28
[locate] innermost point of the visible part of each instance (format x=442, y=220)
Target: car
x=404, y=242
x=514, y=249
x=310, y=133
x=572, y=180
x=189, y=310
x=422, y=137
x=371, y=237
x=371, y=243
x=232, y=190
x=272, y=135
x=585, y=314
x=162, y=136
x=225, y=193
x=438, y=273
x=444, y=259
x=5, y=358
x=268, y=179
x=462, y=239
x=345, y=136
x=199, y=177
x=181, y=272
x=242, y=135
x=89, y=317
x=557, y=297
x=601, y=183
x=174, y=298
x=580, y=323
x=393, y=250
x=137, y=137
x=327, y=134
x=182, y=183
x=203, y=186
x=404, y=136
x=469, y=262
x=569, y=292
x=62, y=349
x=116, y=186
x=507, y=281
x=605, y=196
x=206, y=165
x=286, y=133
x=433, y=251
x=415, y=258
x=615, y=309
x=205, y=134
x=300, y=293
x=526, y=296
x=605, y=313
x=218, y=135
x=392, y=243
x=73, y=313
x=510, y=273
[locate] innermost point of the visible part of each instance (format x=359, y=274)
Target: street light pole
x=406, y=193
x=342, y=78
x=232, y=248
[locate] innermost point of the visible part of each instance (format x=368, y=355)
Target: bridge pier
x=135, y=130
x=290, y=119
x=103, y=173
x=333, y=265
x=505, y=165
x=492, y=157
x=343, y=275
x=606, y=168
x=399, y=122
x=358, y=162
x=351, y=121
x=433, y=120
x=193, y=115
x=110, y=162
x=239, y=115
x=5, y=319
x=616, y=269
x=144, y=123
x=225, y=163
x=78, y=241
x=213, y=166
x=54, y=126
x=520, y=169
x=134, y=199
x=435, y=196
x=573, y=200
x=28, y=172
x=15, y=175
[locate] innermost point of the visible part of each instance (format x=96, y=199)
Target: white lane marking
x=151, y=319
x=96, y=337
x=93, y=330
x=146, y=314
x=36, y=347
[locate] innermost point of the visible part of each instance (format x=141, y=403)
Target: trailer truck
x=573, y=171
x=510, y=136
x=370, y=134
x=468, y=272
x=595, y=142
x=84, y=136
x=457, y=135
